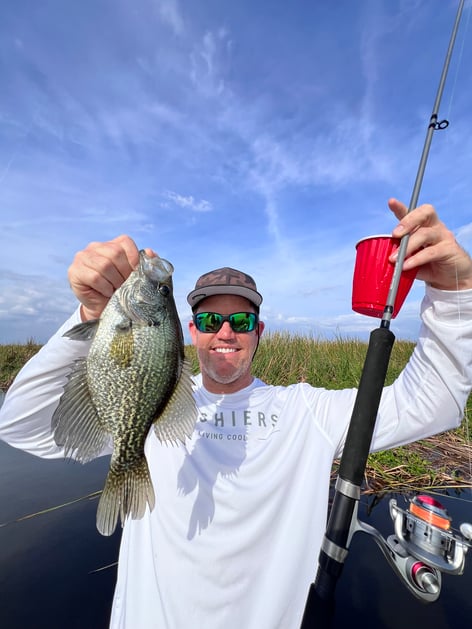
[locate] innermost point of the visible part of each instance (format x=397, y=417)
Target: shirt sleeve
x=431, y=393
x=26, y=413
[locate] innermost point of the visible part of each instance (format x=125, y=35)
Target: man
x=241, y=508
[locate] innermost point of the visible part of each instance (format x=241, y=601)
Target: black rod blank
x=319, y=608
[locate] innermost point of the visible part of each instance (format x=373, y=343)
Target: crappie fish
x=135, y=376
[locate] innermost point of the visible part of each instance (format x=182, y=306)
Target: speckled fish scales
x=135, y=376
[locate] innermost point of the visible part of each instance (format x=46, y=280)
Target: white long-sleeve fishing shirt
x=240, y=513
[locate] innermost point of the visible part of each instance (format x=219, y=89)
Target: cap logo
x=227, y=277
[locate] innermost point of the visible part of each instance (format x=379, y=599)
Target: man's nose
x=226, y=331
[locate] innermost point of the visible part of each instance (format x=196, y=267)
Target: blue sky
x=267, y=136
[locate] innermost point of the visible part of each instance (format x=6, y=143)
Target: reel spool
x=424, y=545
x=424, y=531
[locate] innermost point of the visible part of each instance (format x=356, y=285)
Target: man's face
x=225, y=356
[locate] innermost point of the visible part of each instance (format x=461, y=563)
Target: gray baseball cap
x=225, y=281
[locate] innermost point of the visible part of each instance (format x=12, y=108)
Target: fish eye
x=164, y=290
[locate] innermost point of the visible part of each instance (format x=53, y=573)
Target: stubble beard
x=220, y=376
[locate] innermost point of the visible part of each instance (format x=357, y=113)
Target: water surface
x=53, y=566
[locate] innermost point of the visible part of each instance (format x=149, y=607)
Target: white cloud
x=297, y=142
x=189, y=202
x=170, y=14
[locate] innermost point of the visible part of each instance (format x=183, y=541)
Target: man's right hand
x=98, y=270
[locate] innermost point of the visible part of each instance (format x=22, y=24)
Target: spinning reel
x=423, y=546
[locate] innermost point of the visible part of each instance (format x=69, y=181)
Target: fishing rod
x=423, y=545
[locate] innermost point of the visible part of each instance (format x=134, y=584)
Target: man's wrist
x=86, y=314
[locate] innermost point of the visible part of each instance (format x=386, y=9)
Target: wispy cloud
x=188, y=202
x=248, y=134
x=170, y=13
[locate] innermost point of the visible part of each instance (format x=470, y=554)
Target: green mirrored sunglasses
x=211, y=322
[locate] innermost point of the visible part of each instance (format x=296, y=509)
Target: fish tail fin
x=126, y=492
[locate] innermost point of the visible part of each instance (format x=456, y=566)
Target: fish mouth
x=156, y=268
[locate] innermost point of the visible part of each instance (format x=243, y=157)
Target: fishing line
x=467, y=433
x=458, y=68
x=403, y=551
x=458, y=65
x=434, y=125
x=466, y=413
x=94, y=494
x=467, y=427
x=465, y=419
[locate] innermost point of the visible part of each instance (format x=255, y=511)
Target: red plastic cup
x=373, y=275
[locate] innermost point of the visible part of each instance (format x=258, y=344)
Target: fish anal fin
x=178, y=418
x=126, y=493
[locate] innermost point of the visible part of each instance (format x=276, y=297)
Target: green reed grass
x=283, y=358
x=12, y=358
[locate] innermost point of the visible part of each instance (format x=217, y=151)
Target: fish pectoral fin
x=83, y=331
x=178, y=418
x=126, y=492
x=75, y=422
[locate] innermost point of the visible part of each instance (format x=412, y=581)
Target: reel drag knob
x=425, y=578
x=466, y=530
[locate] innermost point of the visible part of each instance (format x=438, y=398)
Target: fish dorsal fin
x=75, y=422
x=83, y=331
x=178, y=419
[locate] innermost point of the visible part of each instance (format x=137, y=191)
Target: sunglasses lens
x=211, y=322
x=243, y=321
x=208, y=321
